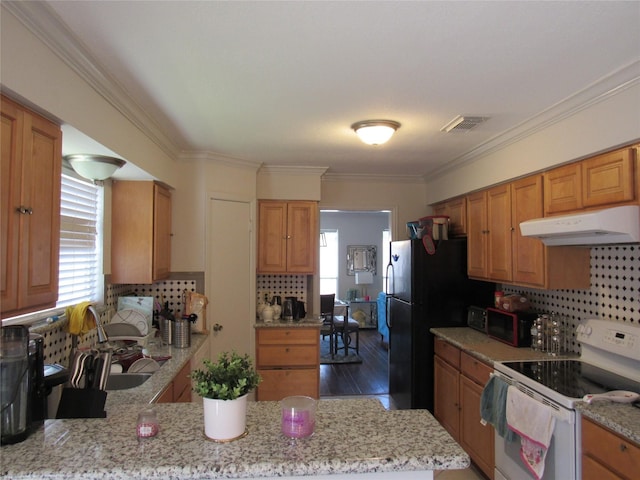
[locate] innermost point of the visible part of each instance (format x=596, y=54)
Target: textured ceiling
x=280, y=83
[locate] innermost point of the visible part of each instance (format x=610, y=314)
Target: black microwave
x=512, y=328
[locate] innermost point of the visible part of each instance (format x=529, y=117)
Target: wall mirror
x=361, y=258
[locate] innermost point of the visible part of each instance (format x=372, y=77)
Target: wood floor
x=366, y=378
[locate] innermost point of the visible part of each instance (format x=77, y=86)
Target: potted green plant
x=223, y=386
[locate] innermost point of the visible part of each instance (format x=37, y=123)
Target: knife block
x=82, y=403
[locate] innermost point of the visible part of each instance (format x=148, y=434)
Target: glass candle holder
x=298, y=416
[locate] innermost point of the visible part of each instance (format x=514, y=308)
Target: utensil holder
x=181, y=333
x=166, y=331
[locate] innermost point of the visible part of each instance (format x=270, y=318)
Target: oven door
x=563, y=454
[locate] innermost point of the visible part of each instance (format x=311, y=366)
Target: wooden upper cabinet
x=499, y=235
x=563, y=189
x=31, y=169
x=288, y=235
x=528, y=253
x=456, y=210
x=477, y=234
x=140, y=232
x=498, y=252
x=609, y=179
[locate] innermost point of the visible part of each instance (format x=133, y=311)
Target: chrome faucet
x=102, y=335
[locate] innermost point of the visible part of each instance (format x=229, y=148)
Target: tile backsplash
x=614, y=293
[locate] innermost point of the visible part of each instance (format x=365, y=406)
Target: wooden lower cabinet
x=179, y=390
x=459, y=381
x=606, y=455
x=288, y=359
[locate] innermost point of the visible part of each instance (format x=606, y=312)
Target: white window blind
x=80, y=275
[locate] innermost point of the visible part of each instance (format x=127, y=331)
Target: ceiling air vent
x=463, y=124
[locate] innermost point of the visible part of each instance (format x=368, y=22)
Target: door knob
x=217, y=327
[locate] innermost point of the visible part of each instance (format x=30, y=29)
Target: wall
x=356, y=228
x=604, y=125
x=403, y=197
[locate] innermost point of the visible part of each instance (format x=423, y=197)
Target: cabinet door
x=563, y=189
x=161, y=233
x=447, y=397
x=31, y=168
x=42, y=153
x=475, y=438
x=499, y=246
x=302, y=237
x=609, y=178
x=528, y=253
x=272, y=237
x=456, y=210
x=277, y=384
x=11, y=144
x=477, y=235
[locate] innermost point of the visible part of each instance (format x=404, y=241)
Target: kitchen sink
x=123, y=381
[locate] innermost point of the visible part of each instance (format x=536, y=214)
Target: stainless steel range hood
x=600, y=227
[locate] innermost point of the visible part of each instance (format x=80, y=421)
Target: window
x=329, y=263
x=81, y=213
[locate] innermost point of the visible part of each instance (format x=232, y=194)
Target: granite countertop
x=621, y=418
x=149, y=391
x=304, y=322
x=373, y=441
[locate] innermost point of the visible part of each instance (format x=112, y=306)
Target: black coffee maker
x=298, y=311
x=23, y=399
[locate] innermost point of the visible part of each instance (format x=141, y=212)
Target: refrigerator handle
x=389, y=280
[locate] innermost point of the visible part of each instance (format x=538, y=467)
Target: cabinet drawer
x=277, y=384
x=287, y=356
x=287, y=336
x=620, y=455
x=182, y=385
x=474, y=369
x=448, y=352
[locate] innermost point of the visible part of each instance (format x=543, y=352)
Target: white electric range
x=610, y=360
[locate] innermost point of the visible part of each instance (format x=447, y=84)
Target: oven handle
x=561, y=413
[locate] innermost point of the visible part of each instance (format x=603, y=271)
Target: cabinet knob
x=217, y=327
x=623, y=447
x=24, y=210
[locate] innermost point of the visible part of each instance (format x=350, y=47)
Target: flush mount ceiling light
x=375, y=132
x=94, y=167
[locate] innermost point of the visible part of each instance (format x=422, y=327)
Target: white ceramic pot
x=225, y=420
x=267, y=314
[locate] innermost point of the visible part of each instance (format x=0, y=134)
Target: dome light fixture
x=375, y=132
x=94, y=167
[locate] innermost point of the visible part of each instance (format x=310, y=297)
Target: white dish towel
x=534, y=422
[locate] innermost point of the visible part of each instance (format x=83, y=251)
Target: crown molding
x=369, y=178
x=213, y=157
x=607, y=87
x=45, y=24
x=292, y=170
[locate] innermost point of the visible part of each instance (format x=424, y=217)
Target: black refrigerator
x=425, y=291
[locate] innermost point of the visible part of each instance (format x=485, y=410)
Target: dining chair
x=345, y=328
x=328, y=328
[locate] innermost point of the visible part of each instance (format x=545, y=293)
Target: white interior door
x=230, y=277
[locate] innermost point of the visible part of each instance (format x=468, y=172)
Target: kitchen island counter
x=376, y=443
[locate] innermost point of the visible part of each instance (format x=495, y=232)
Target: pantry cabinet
x=456, y=210
x=30, y=189
x=288, y=235
x=140, y=232
x=288, y=360
x=606, y=180
x=459, y=381
x=498, y=252
x=606, y=455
